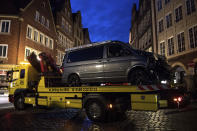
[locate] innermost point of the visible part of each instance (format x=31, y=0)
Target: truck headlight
x=11, y=85
x=164, y=82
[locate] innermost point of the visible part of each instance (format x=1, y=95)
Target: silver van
x=112, y=62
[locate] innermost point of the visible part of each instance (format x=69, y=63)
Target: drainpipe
x=19, y=39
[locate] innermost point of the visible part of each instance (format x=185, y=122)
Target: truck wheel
x=139, y=77
x=74, y=80
x=19, y=102
x=95, y=111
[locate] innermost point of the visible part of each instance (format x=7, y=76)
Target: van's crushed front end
x=157, y=67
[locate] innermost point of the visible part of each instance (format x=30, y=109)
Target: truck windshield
x=12, y=75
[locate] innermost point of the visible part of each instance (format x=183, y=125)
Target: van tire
x=74, y=80
x=19, y=102
x=95, y=110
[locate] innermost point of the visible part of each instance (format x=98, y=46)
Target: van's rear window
x=86, y=54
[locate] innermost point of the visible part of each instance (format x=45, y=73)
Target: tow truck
x=37, y=85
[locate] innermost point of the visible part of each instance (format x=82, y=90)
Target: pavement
x=61, y=119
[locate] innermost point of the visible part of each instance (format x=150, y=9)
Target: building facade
x=26, y=26
x=174, y=33
x=177, y=35
x=78, y=29
x=64, y=27
x=37, y=26
x=141, y=33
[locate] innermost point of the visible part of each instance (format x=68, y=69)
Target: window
x=36, y=35
x=63, y=23
x=181, y=42
x=22, y=73
x=169, y=20
x=27, y=53
x=167, y=1
x=178, y=13
x=29, y=50
x=117, y=51
x=190, y=6
x=46, y=41
x=43, y=4
x=66, y=27
x=5, y=26
x=170, y=46
x=70, y=29
x=51, y=43
x=47, y=23
x=41, y=38
x=161, y=25
x=29, y=32
x=159, y=5
x=69, y=14
x=3, y=50
x=60, y=57
x=43, y=20
x=162, y=48
x=91, y=53
x=37, y=16
x=193, y=37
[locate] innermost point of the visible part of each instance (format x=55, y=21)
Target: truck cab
x=22, y=77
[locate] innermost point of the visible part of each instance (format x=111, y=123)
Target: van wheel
x=74, y=80
x=95, y=111
x=19, y=102
x=139, y=77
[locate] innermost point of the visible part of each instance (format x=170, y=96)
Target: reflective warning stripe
x=153, y=87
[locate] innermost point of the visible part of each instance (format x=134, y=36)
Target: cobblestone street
x=48, y=119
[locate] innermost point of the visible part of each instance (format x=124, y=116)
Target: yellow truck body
x=40, y=94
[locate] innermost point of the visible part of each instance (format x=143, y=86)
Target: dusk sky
x=105, y=19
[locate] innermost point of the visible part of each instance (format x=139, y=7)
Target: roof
x=76, y=16
x=12, y=7
x=88, y=45
x=58, y=5
x=92, y=45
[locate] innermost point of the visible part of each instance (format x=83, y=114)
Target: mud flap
x=148, y=102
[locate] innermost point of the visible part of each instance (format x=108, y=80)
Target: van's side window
x=117, y=51
x=91, y=53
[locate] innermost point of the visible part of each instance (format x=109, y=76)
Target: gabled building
x=173, y=34
x=142, y=26
x=25, y=26
x=78, y=29
x=177, y=37
x=64, y=26
x=86, y=36
x=37, y=26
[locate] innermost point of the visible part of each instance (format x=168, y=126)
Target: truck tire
x=95, y=110
x=19, y=102
x=74, y=80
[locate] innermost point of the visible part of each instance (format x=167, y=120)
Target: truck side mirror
x=9, y=76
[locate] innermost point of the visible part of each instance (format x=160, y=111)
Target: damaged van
x=113, y=62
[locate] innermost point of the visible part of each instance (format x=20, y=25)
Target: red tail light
x=179, y=99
